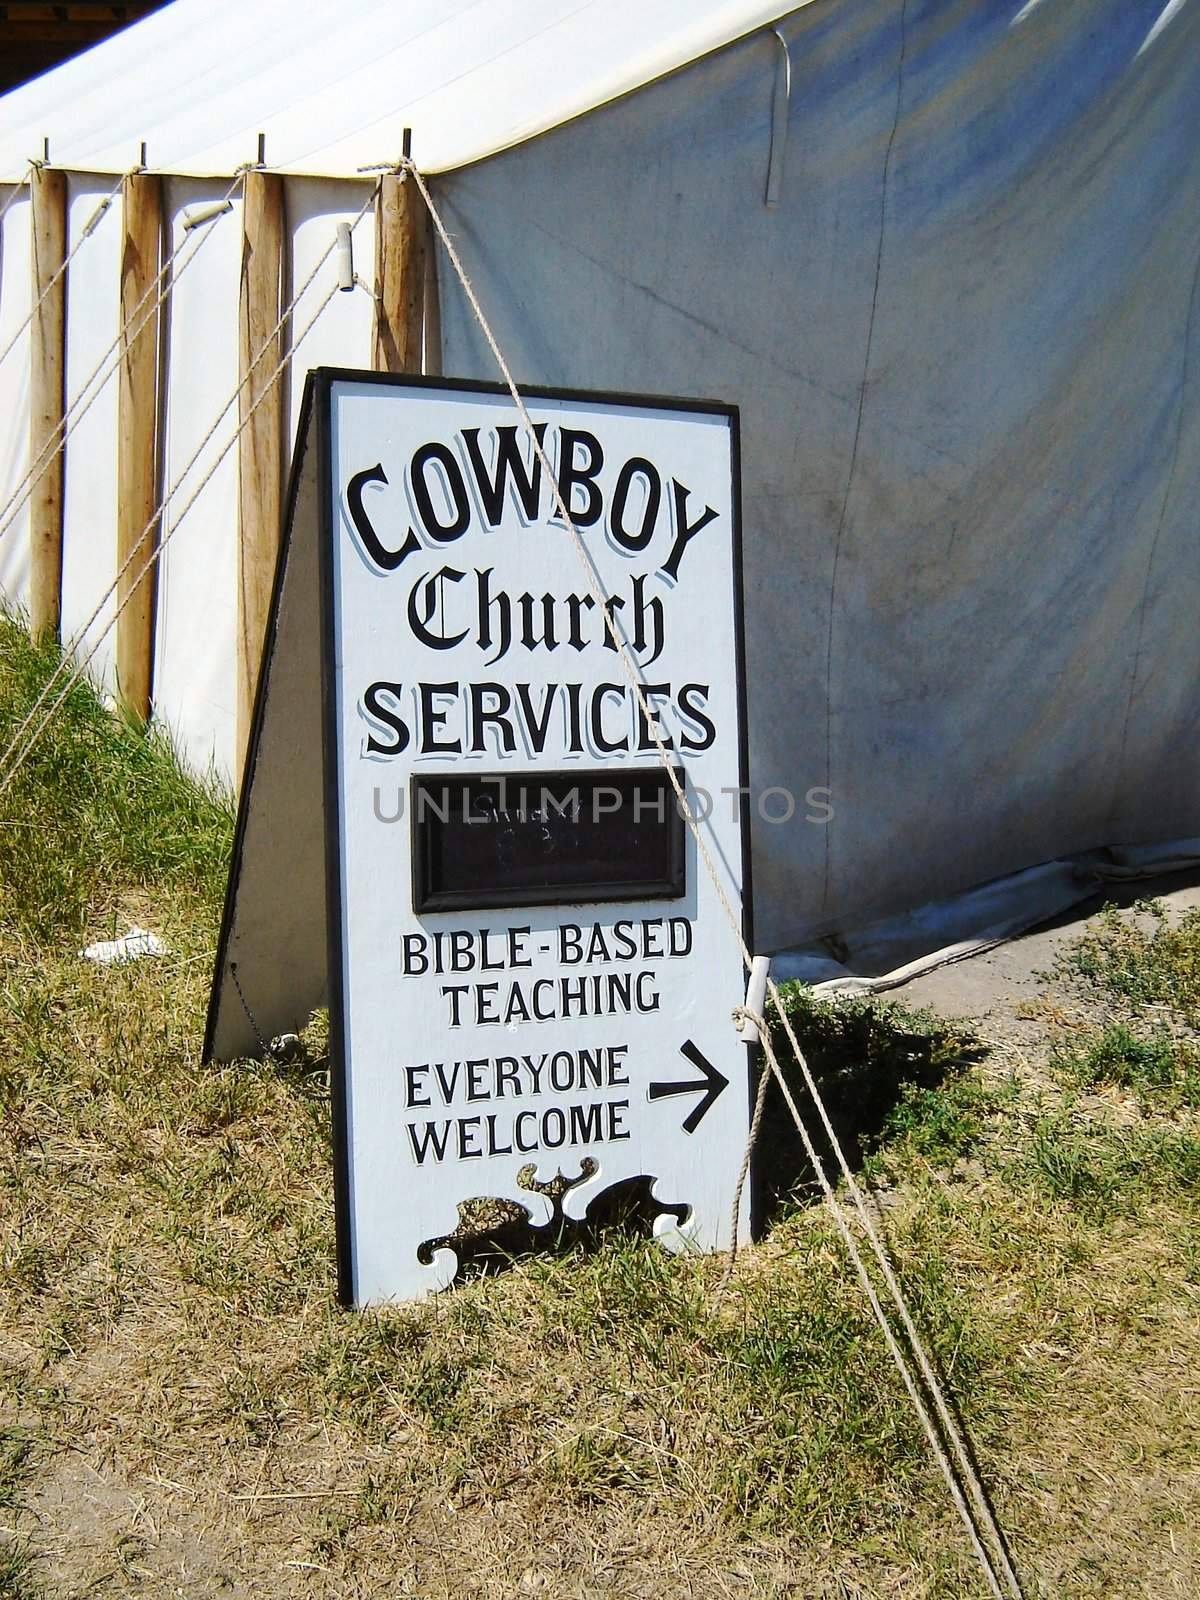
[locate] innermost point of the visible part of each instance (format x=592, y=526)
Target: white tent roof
x=332, y=87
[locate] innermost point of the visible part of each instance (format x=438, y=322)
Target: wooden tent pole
x=261, y=444
x=48, y=189
x=400, y=241
x=137, y=438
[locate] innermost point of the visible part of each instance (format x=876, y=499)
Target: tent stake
x=48, y=188
x=400, y=240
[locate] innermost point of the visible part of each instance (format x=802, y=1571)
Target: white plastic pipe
x=203, y=214
x=344, y=256
x=756, y=996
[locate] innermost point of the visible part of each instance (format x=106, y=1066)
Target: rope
x=21, y=183
x=741, y=1015
x=46, y=456
x=982, y=1508
x=19, y=755
x=89, y=228
x=952, y=1429
x=593, y=578
x=982, y=1553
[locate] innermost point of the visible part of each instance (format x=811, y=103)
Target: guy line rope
x=16, y=753
x=18, y=185
x=67, y=423
x=978, y=1517
x=86, y=233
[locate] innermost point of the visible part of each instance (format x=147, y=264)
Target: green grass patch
x=99, y=807
x=1126, y=962
x=16, y=1464
x=1159, y=1068
x=16, y=1570
x=1105, y=1170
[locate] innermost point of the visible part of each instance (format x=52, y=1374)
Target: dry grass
x=183, y=1410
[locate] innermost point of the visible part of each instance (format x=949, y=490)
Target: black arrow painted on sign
x=712, y=1083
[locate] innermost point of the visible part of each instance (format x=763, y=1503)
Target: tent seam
x=1143, y=605
x=858, y=427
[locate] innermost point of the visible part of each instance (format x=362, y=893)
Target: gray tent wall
x=967, y=355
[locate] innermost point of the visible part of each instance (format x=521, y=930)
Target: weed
x=16, y=1570
x=940, y=1125
x=1130, y=964
x=16, y=1452
x=1158, y=1067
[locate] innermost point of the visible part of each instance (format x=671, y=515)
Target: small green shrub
x=1157, y=1068
x=1137, y=966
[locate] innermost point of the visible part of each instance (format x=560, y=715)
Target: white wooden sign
x=530, y=972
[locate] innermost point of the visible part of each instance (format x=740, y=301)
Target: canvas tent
x=943, y=257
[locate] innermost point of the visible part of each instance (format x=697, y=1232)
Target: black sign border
x=319, y=388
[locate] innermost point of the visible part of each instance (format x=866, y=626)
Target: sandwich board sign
x=457, y=825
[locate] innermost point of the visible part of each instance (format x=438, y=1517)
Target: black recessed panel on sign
x=545, y=839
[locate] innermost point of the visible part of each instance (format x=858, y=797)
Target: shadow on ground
x=865, y=1055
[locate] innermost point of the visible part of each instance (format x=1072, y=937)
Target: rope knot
x=744, y=1017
